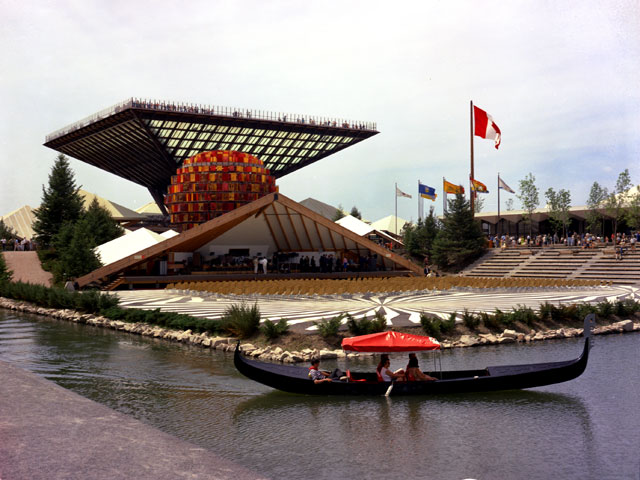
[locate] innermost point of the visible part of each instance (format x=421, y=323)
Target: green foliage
x=101, y=224
x=74, y=245
x=605, y=309
x=616, y=202
x=524, y=315
x=339, y=213
x=61, y=203
x=355, y=213
x=436, y=327
x=169, y=320
x=366, y=325
x=461, y=239
x=6, y=232
x=558, y=204
x=241, y=320
x=623, y=308
x=5, y=273
x=470, y=320
x=594, y=218
x=273, y=330
x=418, y=239
x=90, y=301
x=329, y=328
x=529, y=198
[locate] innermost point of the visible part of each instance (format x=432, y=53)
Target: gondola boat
x=295, y=379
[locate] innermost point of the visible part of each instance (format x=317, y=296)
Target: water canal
x=588, y=428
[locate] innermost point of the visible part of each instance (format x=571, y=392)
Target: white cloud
x=559, y=78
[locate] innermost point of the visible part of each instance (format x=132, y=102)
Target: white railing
x=164, y=106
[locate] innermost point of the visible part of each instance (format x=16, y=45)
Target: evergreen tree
x=5, y=273
x=355, y=213
x=6, y=231
x=339, y=214
x=75, y=245
x=461, y=240
x=418, y=239
x=101, y=223
x=61, y=203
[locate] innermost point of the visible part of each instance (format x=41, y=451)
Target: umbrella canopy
x=389, y=342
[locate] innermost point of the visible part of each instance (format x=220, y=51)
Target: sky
x=559, y=78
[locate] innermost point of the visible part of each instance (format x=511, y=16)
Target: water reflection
x=569, y=430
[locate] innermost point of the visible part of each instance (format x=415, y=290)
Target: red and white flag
x=484, y=126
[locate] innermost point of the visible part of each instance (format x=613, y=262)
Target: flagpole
x=419, y=212
x=444, y=198
x=396, y=194
x=471, y=192
x=498, y=224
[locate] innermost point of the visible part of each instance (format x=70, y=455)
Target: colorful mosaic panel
x=212, y=183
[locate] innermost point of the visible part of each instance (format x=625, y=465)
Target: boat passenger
x=413, y=371
x=318, y=376
x=386, y=375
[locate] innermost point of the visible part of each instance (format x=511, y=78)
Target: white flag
x=400, y=193
x=504, y=186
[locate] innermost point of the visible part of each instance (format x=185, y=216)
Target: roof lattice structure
x=145, y=141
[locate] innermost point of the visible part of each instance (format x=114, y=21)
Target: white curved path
x=401, y=309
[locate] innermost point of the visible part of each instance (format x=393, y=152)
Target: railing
x=164, y=106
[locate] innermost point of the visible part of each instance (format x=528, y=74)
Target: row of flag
x=429, y=193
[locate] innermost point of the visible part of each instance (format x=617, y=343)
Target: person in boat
x=318, y=376
x=385, y=374
x=413, y=371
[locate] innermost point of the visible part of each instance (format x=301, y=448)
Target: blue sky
x=559, y=78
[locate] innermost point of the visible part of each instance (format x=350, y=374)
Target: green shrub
x=545, y=311
x=437, y=327
x=329, y=328
x=366, y=325
x=470, y=320
x=524, y=314
x=491, y=322
x=273, y=330
x=241, y=320
x=626, y=307
x=604, y=309
x=431, y=325
x=5, y=273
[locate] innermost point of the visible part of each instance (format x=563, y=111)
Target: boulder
x=502, y=340
x=509, y=334
x=626, y=325
x=327, y=354
x=468, y=341
x=247, y=347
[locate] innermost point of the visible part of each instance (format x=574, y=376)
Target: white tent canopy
x=129, y=244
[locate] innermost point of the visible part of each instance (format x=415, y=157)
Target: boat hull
x=295, y=379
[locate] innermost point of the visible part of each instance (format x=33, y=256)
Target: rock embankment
x=277, y=354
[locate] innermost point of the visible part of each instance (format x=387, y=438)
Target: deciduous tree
x=529, y=198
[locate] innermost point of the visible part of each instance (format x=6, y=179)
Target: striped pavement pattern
x=401, y=309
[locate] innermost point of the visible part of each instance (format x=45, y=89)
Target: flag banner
x=400, y=193
x=449, y=187
x=485, y=127
x=504, y=186
x=427, y=192
x=478, y=187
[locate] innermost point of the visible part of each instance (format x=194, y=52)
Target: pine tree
x=418, y=239
x=61, y=203
x=460, y=241
x=355, y=213
x=101, y=224
x=75, y=245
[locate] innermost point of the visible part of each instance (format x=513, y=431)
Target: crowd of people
x=411, y=373
x=16, y=245
x=583, y=240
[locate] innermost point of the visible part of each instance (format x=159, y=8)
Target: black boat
x=295, y=379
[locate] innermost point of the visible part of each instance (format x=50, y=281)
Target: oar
x=389, y=389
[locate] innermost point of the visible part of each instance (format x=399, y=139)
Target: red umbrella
x=390, y=342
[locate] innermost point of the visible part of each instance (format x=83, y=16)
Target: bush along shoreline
x=242, y=322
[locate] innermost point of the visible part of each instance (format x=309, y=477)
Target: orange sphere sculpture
x=210, y=184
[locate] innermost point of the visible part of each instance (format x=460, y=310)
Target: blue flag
x=427, y=192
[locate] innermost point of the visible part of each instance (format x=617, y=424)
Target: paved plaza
x=401, y=309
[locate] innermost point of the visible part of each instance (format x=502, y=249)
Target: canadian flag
x=485, y=127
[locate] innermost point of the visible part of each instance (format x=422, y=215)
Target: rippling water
x=588, y=428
